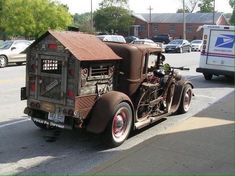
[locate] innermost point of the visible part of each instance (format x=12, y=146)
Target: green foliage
x=182, y=11
x=113, y=20
x=31, y=18
x=110, y=3
x=232, y=19
x=83, y=21
x=232, y=3
x=206, y=6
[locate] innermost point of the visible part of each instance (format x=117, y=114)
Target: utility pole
x=91, y=16
x=150, y=19
x=184, y=21
x=214, y=12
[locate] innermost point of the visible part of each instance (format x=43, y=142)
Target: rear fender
x=179, y=88
x=103, y=110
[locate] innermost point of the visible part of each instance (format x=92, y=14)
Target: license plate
x=56, y=117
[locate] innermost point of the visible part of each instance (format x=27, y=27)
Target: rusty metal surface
x=83, y=104
x=104, y=109
x=132, y=65
x=84, y=47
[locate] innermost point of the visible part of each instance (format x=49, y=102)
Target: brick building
x=172, y=24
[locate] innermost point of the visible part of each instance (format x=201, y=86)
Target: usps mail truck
x=217, y=55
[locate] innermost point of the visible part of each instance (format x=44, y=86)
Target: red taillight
x=32, y=87
x=33, y=67
x=70, y=94
x=52, y=46
x=71, y=72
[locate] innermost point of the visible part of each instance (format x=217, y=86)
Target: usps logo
x=225, y=41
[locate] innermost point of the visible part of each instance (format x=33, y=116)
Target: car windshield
x=6, y=45
x=176, y=42
x=138, y=42
x=197, y=41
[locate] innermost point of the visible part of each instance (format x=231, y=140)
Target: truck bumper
x=215, y=72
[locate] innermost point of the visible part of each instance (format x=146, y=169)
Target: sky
x=141, y=6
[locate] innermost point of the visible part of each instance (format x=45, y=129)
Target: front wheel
x=181, y=50
x=189, y=50
x=186, y=99
x=3, y=61
x=119, y=125
x=207, y=76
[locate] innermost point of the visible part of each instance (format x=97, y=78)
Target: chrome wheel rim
x=121, y=125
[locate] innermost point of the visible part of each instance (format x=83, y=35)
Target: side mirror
x=13, y=48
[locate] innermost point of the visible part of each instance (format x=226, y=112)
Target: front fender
x=103, y=110
x=179, y=88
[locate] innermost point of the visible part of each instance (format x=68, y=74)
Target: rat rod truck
x=74, y=80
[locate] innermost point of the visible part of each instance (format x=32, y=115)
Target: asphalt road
x=26, y=149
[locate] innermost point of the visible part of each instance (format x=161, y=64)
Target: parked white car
x=11, y=51
x=196, y=45
x=146, y=42
x=112, y=38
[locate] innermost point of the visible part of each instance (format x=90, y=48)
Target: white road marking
x=14, y=123
x=204, y=96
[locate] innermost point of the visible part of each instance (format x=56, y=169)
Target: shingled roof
x=84, y=47
x=203, y=18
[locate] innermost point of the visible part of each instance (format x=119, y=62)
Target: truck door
x=221, y=48
x=52, y=78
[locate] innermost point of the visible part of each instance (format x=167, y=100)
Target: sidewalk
x=203, y=144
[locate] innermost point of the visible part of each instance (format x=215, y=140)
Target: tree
x=232, y=3
x=31, y=18
x=190, y=6
x=232, y=19
x=83, y=21
x=182, y=11
x=117, y=3
x=113, y=20
x=206, y=6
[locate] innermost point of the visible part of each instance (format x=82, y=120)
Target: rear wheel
x=3, y=61
x=186, y=99
x=119, y=126
x=207, y=76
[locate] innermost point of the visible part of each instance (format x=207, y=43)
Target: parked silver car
x=11, y=51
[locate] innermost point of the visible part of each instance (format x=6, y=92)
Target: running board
x=139, y=125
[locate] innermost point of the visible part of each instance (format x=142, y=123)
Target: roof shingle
x=204, y=18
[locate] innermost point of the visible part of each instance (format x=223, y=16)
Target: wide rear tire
x=119, y=126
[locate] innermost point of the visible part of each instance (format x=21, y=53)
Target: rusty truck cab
x=133, y=67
